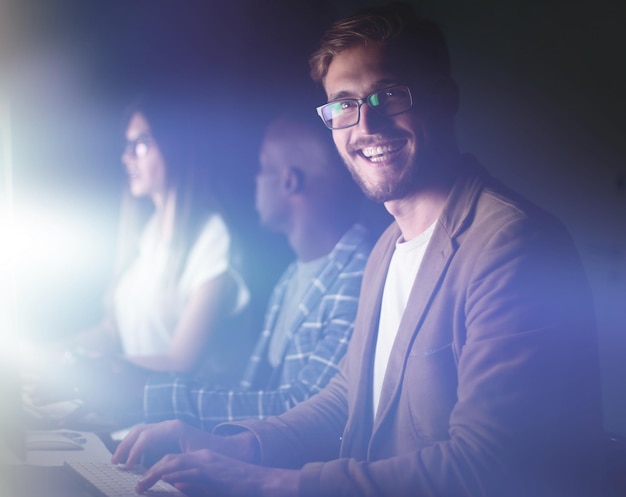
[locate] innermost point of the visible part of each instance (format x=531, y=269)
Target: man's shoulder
x=482, y=199
x=343, y=274
x=354, y=245
x=498, y=204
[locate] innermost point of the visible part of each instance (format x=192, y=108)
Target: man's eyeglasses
x=346, y=112
x=137, y=147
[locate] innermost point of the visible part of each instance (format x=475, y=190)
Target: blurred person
x=304, y=193
x=473, y=368
x=177, y=293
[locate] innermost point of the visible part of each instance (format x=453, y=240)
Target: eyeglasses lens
x=391, y=101
x=137, y=147
x=341, y=114
x=141, y=149
x=345, y=113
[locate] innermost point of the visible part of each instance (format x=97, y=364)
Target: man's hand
x=176, y=436
x=200, y=471
x=206, y=472
x=168, y=436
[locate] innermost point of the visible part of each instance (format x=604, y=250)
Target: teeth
x=379, y=158
x=370, y=152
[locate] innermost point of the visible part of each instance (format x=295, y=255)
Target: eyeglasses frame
x=362, y=101
x=130, y=148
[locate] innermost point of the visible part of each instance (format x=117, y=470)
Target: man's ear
x=294, y=178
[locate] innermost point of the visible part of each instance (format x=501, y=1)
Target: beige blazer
x=492, y=387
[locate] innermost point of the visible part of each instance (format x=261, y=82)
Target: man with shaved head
x=304, y=192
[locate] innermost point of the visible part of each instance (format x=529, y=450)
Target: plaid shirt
x=318, y=339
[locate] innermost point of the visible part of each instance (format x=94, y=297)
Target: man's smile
x=382, y=152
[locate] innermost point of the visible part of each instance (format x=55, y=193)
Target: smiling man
x=473, y=368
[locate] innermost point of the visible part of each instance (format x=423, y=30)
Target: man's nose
x=371, y=120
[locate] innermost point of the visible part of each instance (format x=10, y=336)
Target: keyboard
x=109, y=480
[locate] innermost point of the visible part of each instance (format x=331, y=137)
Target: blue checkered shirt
x=318, y=339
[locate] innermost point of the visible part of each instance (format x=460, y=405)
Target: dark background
x=542, y=107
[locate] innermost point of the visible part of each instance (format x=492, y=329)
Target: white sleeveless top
x=146, y=311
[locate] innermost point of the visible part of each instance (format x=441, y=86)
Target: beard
x=390, y=190
x=415, y=176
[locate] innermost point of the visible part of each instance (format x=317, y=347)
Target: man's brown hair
x=421, y=43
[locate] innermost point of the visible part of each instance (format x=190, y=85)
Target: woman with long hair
x=175, y=283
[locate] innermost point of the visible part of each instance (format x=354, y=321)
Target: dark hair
x=421, y=42
x=177, y=124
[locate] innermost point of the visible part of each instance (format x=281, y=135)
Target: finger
x=166, y=465
x=146, y=482
x=186, y=477
x=146, y=440
x=121, y=454
x=180, y=478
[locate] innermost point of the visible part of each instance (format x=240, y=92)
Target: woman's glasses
x=138, y=147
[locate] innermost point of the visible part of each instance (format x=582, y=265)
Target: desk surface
x=40, y=472
x=92, y=449
x=24, y=480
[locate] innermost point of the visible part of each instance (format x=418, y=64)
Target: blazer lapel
x=439, y=253
x=436, y=260
x=359, y=427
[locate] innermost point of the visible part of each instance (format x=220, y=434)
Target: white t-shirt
x=146, y=311
x=401, y=275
